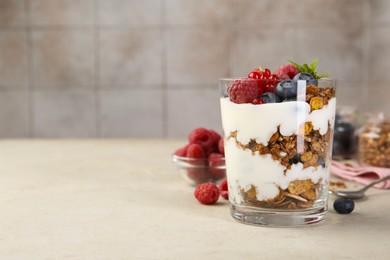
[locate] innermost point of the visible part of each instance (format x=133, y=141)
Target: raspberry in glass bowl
x=200, y=170
x=202, y=159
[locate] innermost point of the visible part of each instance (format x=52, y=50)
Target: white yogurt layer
x=260, y=122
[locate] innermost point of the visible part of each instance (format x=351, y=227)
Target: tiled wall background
x=131, y=68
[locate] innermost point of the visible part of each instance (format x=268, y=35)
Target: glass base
x=277, y=218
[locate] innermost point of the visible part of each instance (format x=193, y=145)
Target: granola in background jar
x=374, y=142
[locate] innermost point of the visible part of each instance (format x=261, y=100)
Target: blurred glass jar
x=374, y=141
x=345, y=140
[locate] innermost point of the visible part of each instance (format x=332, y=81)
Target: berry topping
x=267, y=73
x=310, y=69
x=310, y=79
x=255, y=74
x=207, y=193
x=223, y=189
x=269, y=97
x=195, y=151
x=286, y=89
x=243, y=91
x=270, y=87
x=257, y=101
x=265, y=80
x=344, y=206
x=286, y=71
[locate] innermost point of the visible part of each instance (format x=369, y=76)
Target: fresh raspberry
x=223, y=186
x=243, y=91
x=225, y=194
x=198, y=172
x=221, y=147
x=223, y=189
x=286, y=71
x=182, y=151
x=215, y=136
x=203, y=137
x=195, y=151
x=199, y=175
x=215, y=161
x=207, y=193
x=213, y=148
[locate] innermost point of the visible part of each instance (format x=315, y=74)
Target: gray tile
x=12, y=12
x=198, y=12
x=130, y=57
x=379, y=10
x=130, y=12
x=379, y=55
x=377, y=99
x=331, y=10
x=189, y=109
x=268, y=48
x=14, y=114
x=340, y=51
x=61, y=12
x=13, y=60
x=197, y=56
x=265, y=11
x=63, y=58
x=64, y=114
x=349, y=94
x=134, y=113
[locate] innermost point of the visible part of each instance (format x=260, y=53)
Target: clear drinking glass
x=278, y=155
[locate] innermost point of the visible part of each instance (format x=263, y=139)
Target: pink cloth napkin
x=361, y=174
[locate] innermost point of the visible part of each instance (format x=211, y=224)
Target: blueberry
x=286, y=89
x=321, y=161
x=296, y=159
x=344, y=206
x=269, y=97
x=310, y=80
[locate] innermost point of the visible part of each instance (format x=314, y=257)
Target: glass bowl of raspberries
x=202, y=159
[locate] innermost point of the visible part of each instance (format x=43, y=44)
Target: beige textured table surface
x=123, y=199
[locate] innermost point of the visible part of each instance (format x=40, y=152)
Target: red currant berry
x=260, y=87
x=269, y=88
x=257, y=101
x=267, y=73
x=254, y=74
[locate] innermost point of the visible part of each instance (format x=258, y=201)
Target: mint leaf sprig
x=309, y=68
